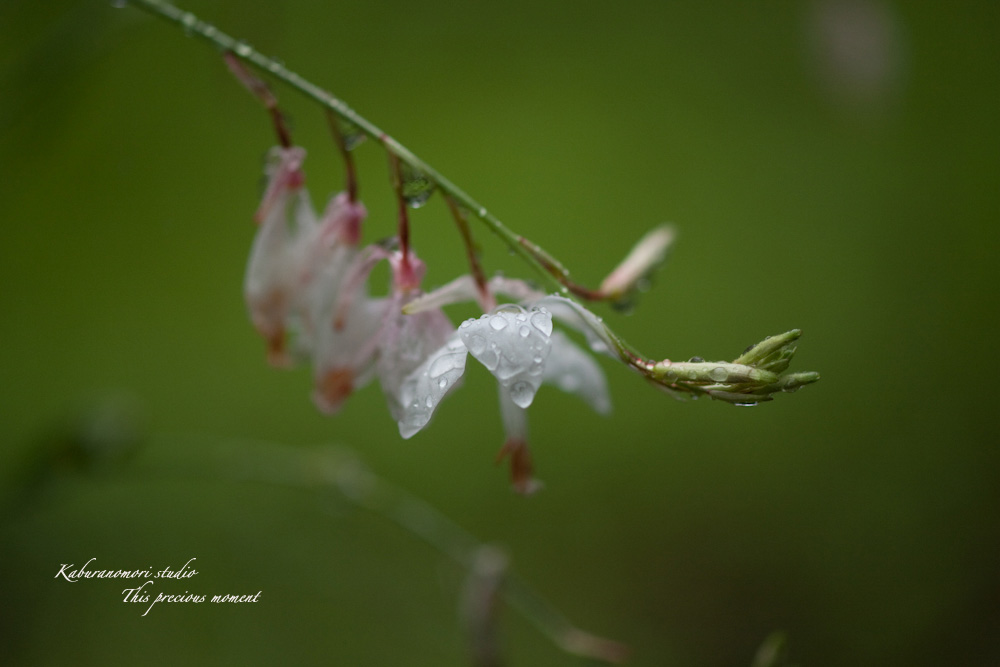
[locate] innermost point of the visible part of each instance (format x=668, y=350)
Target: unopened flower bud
x=647, y=254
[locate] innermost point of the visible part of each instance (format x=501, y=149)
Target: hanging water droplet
x=522, y=393
x=719, y=374
x=441, y=365
x=188, y=21
x=498, y=322
x=352, y=135
x=524, y=331
x=746, y=405
x=242, y=49
x=476, y=344
x=489, y=358
x=417, y=187
x=542, y=321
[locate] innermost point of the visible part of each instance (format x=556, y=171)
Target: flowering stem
x=194, y=26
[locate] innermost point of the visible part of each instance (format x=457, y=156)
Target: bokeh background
x=832, y=165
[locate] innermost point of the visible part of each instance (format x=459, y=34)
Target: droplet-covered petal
x=511, y=343
x=423, y=389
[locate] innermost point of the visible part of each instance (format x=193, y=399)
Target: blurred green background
x=831, y=165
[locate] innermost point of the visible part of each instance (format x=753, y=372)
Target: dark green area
x=857, y=201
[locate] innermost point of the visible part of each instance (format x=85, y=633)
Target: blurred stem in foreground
x=339, y=470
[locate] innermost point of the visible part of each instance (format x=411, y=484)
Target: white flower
x=519, y=347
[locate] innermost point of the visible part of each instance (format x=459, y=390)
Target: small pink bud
x=647, y=254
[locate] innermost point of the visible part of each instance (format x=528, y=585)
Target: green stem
x=193, y=25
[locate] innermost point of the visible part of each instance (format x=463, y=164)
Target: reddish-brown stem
x=470, y=250
x=560, y=274
x=404, y=215
x=260, y=90
x=350, y=173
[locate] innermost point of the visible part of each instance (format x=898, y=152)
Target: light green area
x=859, y=515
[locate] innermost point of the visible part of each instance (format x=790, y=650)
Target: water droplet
x=189, y=20
x=524, y=331
x=210, y=30
x=243, y=49
x=352, y=135
x=489, y=358
x=465, y=324
x=441, y=365
x=429, y=402
x=521, y=317
x=482, y=212
x=522, y=393
x=476, y=344
x=542, y=321
x=745, y=405
x=443, y=383
x=498, y=322
x=719, y=374
x=696, y=360
x=417, y=186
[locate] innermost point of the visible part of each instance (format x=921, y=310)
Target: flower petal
x=422, y=390
x=574, y=371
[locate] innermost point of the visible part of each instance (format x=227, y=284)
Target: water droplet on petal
x=542, y=321
x=443, y=383
x=498, y=322
x=441, y=365
x=522, y=393
x=466, y=324
x=429, y=402
x=719, y=374
x=476, y=344
x=524, y=332
x=489, y=358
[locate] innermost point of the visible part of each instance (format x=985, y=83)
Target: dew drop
x=498, y=322
x=719, y=374
x=242, y=49
x=489, y=358
x=417, y=186
x=189, y=20
x=482, y=212
x=476, y=344
x=429, y=402
x=466, y=324
x=524, y=331
x=696, y=360
x=441, y=365
x=352, y=135
x=443, y=383
x=542, y=321
x=522, y=393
